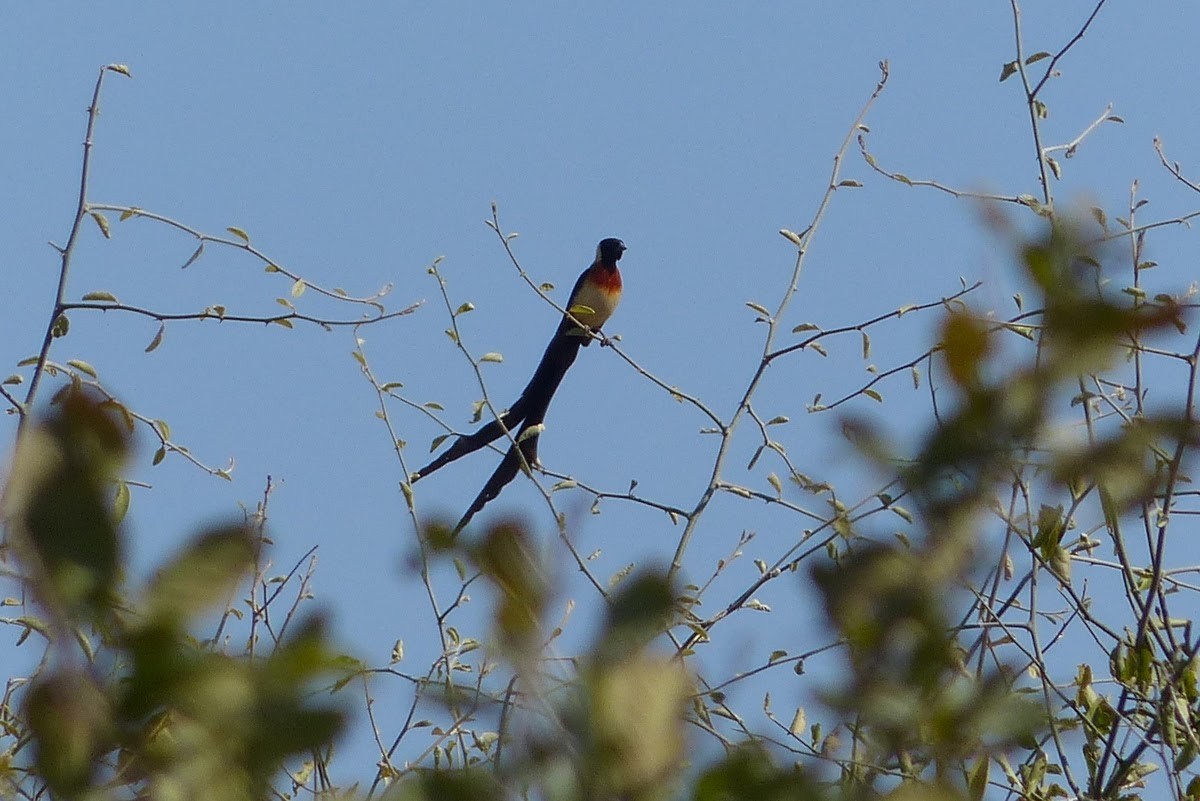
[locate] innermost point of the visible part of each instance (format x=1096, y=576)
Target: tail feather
x=529, y=410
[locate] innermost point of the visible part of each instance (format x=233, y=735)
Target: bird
x=591, y=303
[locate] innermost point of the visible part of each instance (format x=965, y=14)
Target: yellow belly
x=601, y=300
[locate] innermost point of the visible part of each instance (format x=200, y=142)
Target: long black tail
x=528, y=411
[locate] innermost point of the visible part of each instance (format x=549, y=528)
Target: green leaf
x=132, y=211
x=977, y=779
x=437, y=441
x=60, y=328
x=850, y=182
x=873, y=395
x=158, y=338
x=792, y=237
x=1007, y=71
x=192, y=258
x=120, y=69
x=102, y=222
x=101, y=295
x=203, y=575
x=14, y=379
x=581, y=309
x=83, y=367
x=240, y=234
x=159, y=455
x=531, y=431
x=298, y=288
x=491, y=357
x=283, y=321
x=121, y=501
x=758, y=307
x=1036, y=57
x=437, y=407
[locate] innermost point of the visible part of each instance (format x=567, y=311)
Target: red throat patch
x=606, y=277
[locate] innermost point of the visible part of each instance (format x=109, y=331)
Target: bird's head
x=609, y=250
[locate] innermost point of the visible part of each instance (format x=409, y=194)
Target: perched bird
x=593, y=300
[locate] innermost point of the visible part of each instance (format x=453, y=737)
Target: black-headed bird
x=592, y=301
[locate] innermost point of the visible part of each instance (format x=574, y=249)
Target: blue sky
x=356, y=146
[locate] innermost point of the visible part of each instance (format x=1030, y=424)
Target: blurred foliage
x=125, y=700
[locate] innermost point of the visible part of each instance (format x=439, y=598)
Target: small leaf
x=83, y=367
x=120, y=69
x=819, y=348
x=916, y=377
x=102, y=222
x=132, y=211
x=850, y=182
x=437, y=441
x=1007, y=71
x=287, y=304
x=1054, y=167
x=866, y=343
x=13, y=380
x=437, y=407
x=101, y=295
x=121, y=501
x=466, y=307
x=271, y=268
x=581, y=309
x=777, y=420
x=163, y=428
x=298, y=288
x=159, y=455
x=792, y=237
x=283, y=321
x=758, y=308
x=493, y=357
x=546, y=286
x=804, y=327
x=195, y=255
x=798, y=723
x=158, y=338
x=1115, y=118
x=775, y=483
x=531, y=431
x=873, y=395
x=1036, y=57
x=389, y=386
x=242, y=235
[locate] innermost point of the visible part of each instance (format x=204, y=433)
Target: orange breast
x=601, y=292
